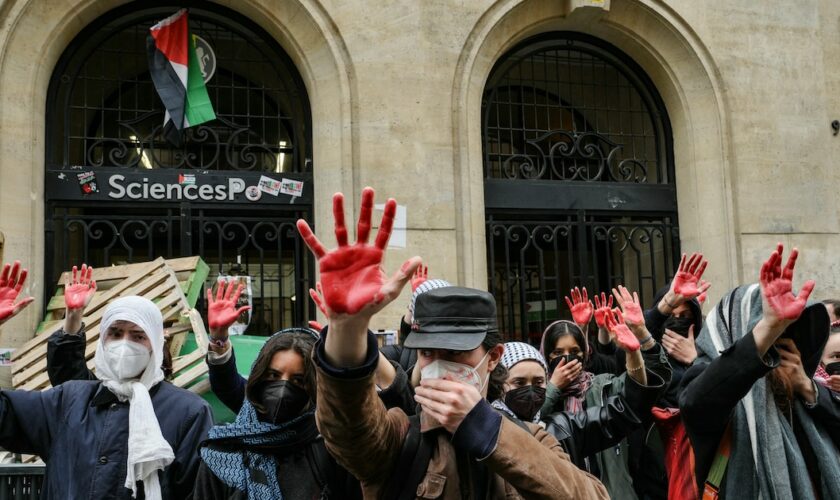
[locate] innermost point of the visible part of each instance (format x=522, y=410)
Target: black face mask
x=679, y=326
x=833, y=368
x=283, y=401
x=556, y=361
x=525, y=401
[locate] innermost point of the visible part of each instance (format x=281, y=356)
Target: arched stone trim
x=686, y=77
x=33, y=37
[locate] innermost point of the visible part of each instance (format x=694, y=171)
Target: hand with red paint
x=703, y=295
x=222, y=311
x=420, y=277
x=79, y=289
x=12, y=280
x=602, y=308
x=353, y=284
x=316, y=326
x=581, y=308
x=620, y=332
x=780, y=306
x=686, y=284
x=632, y=310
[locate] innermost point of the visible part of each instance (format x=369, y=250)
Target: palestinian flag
x=176, y=74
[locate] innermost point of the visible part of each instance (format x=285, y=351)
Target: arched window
x=105, y=120
x=579, y=178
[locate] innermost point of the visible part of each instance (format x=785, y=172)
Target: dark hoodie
x=655, y=321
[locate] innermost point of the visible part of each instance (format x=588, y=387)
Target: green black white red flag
x=176, y=74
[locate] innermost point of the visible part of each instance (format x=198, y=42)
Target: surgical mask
x=127, y=359
x=283, y=401
x=458, y=372
x=525, y=401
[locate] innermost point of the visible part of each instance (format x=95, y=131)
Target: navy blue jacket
x=80, y=430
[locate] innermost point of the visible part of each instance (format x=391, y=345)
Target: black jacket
x=597, y=428
x=80, y=430
x=66, y=357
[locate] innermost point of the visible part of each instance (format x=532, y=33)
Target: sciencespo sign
x=166, y=186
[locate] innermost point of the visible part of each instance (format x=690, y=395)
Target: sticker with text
x=292, y=187
x=87, y=182
x=269, y=185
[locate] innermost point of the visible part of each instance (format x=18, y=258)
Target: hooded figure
x=129, y=434
x=779, y=447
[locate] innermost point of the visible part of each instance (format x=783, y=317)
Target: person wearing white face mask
x=128, y=434
x=462, y=447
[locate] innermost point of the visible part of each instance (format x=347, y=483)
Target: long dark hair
x=298, y=340
x=498, y=377
x=560, y=329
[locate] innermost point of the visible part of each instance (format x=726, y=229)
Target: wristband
x=645, y=341
x=634, y=370
x=219, y=342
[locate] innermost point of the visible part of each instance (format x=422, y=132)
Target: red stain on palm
x=222, y=311
x=687, y=280
x=602, y=309
x=777, y=285
x=623, y=336
x=352, y=275
x=580, y=306
x=79, y=291
x=12, y=280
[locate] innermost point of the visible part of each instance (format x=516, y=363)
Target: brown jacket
x=367, y=439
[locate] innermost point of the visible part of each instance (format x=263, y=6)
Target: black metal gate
x=263, y=245
x=105, y=119
x=579, y=179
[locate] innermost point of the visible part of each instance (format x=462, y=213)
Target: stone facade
x=395, y=89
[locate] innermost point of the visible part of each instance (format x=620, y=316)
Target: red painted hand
x=621, y=334
x=686, y=284
x=80, y=288
x=222, y=311
x=420, y=277
x=351, y=275
x=779, y=303
x=630, y=305
x=581, y=307
x=602, y=309
x=704, y=285
x=11, y=284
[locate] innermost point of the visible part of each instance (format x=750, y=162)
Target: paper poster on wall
x=245, y=299
x=6, y=356
x=398, y=234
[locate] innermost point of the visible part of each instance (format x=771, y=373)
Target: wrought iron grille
x=579, y=182
x=565, y=108
x=262, y=245
x=533, y=263
x=106, y=112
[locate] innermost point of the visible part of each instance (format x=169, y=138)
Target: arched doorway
x=105, y=120
x=578, y=178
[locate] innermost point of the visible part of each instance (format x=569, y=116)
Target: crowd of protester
x=620, y=402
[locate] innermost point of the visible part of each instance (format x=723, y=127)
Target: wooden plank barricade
x=174, y=285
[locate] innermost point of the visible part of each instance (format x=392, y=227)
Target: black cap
x=453, y=318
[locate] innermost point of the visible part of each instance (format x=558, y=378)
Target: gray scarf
x=766, y=461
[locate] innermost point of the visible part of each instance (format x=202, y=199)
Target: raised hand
x=630, y=306
x=420, y=277
x=221, y=310
x=780, y=306
x=316, y=325
x=704, y=285
x=12, y=280
x=621, y=334
x=581, y=307
x=352, y=278
x=79, y=289
x=602, y=308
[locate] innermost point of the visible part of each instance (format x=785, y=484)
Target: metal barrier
x=21, y=481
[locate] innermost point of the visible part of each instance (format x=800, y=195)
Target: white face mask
x=127, y=359
x=457, y=372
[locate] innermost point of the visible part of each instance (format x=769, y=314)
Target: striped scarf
x=766, y=460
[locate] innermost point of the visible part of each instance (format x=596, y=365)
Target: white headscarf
x=148, y=451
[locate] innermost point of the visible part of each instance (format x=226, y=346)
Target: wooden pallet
x=173, y=285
